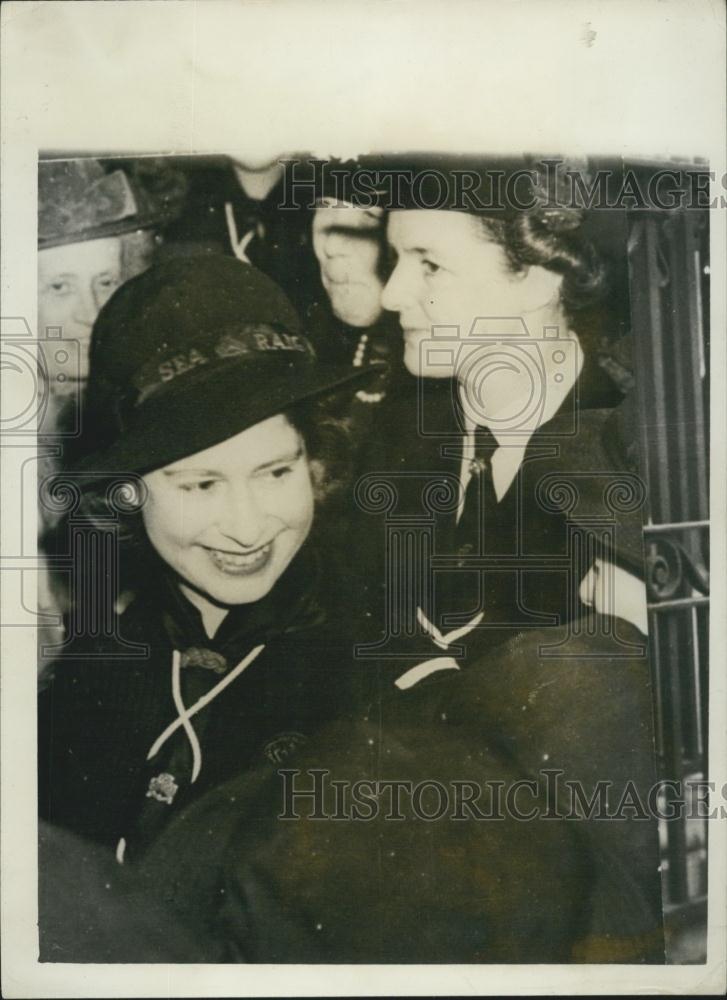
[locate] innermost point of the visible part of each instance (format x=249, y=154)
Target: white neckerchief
x=508, y=457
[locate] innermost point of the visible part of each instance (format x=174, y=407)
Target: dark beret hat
x=497, y=186
x=192, y=352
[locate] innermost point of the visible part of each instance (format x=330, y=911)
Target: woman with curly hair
x=535, y=563
x=503, y=304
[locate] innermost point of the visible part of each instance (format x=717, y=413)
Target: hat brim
x=187, y=422
x=124, y=227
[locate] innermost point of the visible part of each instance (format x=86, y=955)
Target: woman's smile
x=241, y=563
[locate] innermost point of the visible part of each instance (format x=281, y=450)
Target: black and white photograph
x=366, y=495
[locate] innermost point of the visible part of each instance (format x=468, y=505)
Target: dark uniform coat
x=521, y=561
x=105, y=709
x=210, y=848
x=498, y=860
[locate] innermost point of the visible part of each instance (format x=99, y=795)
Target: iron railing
x=669, y=275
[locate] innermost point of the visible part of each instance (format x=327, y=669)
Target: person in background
x=232, y=207
x=284, y=216
x=350, y=323
x=98, y=226
x=348, y=242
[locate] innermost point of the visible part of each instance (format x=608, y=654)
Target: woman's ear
x=540, y=287
x=318, y=478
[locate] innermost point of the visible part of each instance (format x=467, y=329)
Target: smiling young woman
x=204, y=394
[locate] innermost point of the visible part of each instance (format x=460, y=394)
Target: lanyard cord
x=185, y=714
x=239, y=246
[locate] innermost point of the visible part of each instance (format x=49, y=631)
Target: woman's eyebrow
x=351, y=232
x=419, y=251
x=191, y=472
x=291, y=456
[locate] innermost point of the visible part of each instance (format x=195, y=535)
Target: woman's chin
x=240, y=591
x=415, y=365
x=227, y=589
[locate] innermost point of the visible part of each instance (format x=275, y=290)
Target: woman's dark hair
x=551, y=238
x=329, y=447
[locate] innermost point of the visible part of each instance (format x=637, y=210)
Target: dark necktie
x=459, y=592
x=479, y=514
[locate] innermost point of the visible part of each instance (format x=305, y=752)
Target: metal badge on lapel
x=163, y=788
x=282, y=745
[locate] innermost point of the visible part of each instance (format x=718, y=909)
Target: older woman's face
x=74, y=281
x=230, y=519
x=448, y=275
x=347, y=242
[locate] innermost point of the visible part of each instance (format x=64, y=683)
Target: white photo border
x=569, y=76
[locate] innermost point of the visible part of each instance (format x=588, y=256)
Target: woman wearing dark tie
x=537, y=566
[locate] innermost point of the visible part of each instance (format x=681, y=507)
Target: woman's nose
x=241, y=518
x=396, y=291
x=85, y=309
